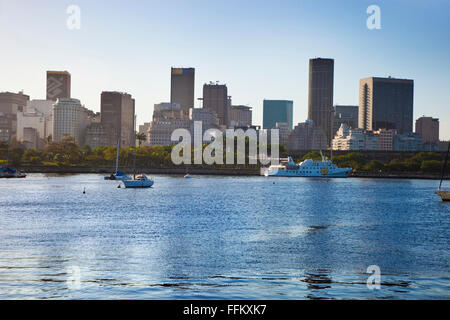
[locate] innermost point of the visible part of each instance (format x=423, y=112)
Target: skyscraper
x=277, y=111
x=215, y=99
x=182, y=88
x=117, y=116
x=320, y=93
x=386, y=103
x=58, y=85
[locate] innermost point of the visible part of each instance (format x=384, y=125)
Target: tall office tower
x=320, y=93
x=428, y=129
x=70, y=119
x=117, y=116
x=58, y=85
x=277, y=111
x=345, y=114
x=215, y=99
x=386, y=103
x=182, y=88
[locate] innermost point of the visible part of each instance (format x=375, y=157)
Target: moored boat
x=118, y=175
x=307, y=168
x=6, y=172
x=140, y=181
x=445, y=195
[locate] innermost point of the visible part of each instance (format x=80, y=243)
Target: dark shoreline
x=215, y=171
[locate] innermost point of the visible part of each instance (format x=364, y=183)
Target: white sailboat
x=140, y=180
x=445, y=195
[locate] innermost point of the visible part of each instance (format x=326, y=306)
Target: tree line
x=67, y=153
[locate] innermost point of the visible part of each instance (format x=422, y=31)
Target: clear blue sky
x=260, y=49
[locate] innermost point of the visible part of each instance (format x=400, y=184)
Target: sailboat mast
x=444, y=167
x=117, y=156
x=134, y=141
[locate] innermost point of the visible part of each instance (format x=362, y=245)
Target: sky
x=260, y=49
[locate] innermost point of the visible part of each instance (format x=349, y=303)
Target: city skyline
x=262, y=73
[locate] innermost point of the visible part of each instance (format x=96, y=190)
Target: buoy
x=118, y=186
x=84, y=191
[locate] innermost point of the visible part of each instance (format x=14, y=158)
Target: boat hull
x=138, y=183
x=445, y=195
x=293, y=173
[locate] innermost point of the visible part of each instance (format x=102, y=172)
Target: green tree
x=141, y=137
x=431, y=166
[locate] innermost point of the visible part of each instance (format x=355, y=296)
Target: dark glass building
x=215, y=99
x=386, y=103
x=117, y=117
x=320, y=93
x=182, y=88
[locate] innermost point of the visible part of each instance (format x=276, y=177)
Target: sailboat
x=118, y=175
x=445, y=195
x=140, y=180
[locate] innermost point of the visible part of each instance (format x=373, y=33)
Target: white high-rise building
x=354, y=139
x=70, y=119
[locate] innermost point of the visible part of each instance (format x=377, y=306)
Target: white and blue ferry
x=307, y=168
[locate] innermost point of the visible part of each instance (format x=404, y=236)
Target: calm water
x=222, y=238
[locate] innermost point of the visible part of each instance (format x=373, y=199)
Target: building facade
x=58, y=85
x=386, y=103
x=215, y=98
x=428, y=129
x=10, y=105
x=350, y=139
x=70, y=119
x=182, y=87
x=117, y=116
x=307, y=136
x=160, y=130
x=207, y=117
x=320, y=93
x=31, y=118
x=240, y=116
x=277, y=111
x=344, y=114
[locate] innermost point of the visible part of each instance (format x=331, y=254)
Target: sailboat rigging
x=140, y=180
x=445, y=195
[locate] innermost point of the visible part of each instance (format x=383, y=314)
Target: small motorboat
x=140, y=181
x=187, y=176
x=6, y=172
